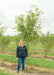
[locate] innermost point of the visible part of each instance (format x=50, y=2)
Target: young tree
x=47, y=42
x=4, y=42
x=2, y=29
x=29, y=25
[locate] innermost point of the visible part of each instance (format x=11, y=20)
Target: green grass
x=9, y=50
x=10, y=58
x=2, y=72
x=31, y=61
x=34, y=52
x=30, y=52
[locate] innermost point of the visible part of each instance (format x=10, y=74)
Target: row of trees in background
x=29, y=28
x=47, y=42
x=4, y=40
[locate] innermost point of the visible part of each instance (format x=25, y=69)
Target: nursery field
x=36, y=64
x=2, y=72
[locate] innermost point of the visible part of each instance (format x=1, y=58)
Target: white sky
x=11, y=8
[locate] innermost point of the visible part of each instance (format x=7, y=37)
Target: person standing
x=21, y=54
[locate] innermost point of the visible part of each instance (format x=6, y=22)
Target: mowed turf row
x=31, y=61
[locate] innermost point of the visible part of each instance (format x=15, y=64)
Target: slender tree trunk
x=3, y=49
x=45, y=53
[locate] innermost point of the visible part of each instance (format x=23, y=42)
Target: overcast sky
x=11, y=8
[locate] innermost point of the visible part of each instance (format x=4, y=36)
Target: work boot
x=23, y=71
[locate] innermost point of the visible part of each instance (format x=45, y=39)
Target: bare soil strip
x=30, y=55
x=29, y=70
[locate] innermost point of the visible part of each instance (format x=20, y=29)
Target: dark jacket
x=21, y=52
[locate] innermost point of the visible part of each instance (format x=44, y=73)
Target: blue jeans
x=21, y=60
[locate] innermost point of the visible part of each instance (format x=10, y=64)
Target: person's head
x=21, y=43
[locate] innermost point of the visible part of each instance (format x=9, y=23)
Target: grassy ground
x=2, y=72
x=36, y=62
x=31, y=61
x=31, y=52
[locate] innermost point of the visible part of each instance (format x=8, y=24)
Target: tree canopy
x=29, y=26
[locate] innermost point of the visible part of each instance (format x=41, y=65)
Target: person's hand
x=27, y=57
x=17, y=58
